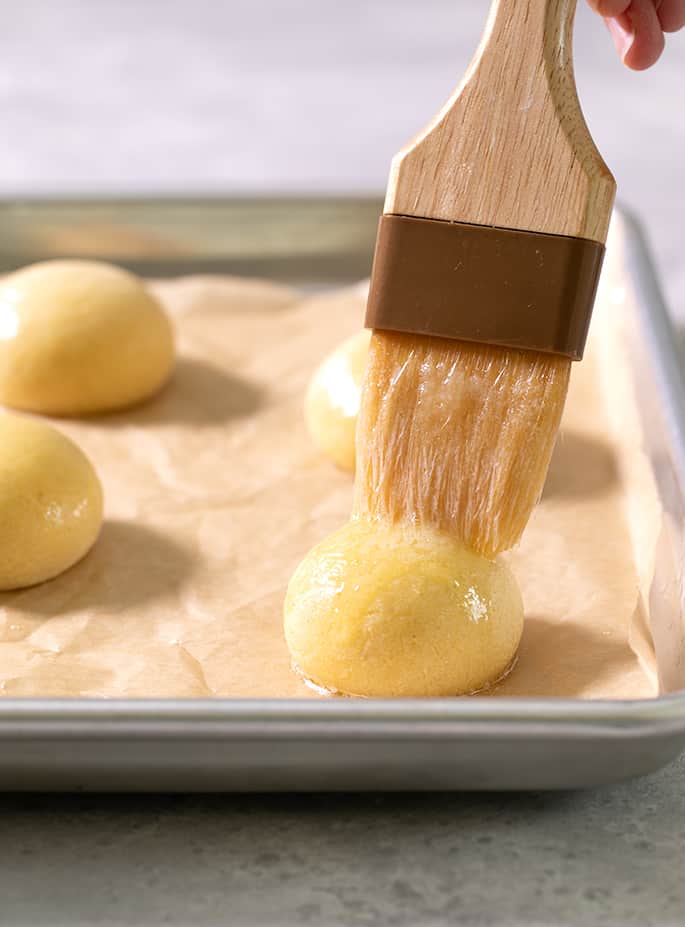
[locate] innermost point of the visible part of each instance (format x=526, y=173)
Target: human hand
x=637, y=27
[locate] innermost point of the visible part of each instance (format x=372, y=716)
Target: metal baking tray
x=226, y=745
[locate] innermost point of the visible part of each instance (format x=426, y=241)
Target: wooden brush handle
x=511, y=147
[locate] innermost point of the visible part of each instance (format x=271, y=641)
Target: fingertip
x=648, y=43
x=638, y=60
x=644, y=52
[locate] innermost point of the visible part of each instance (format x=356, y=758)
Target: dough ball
x=79, y=337
x=332, y=401
x=382, y=610
x=50, y=502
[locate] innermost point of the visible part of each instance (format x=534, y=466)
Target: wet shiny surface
x=378, y=610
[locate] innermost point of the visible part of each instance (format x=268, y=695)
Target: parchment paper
x=214, y=492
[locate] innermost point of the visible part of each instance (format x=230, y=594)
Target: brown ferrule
x=496, y=286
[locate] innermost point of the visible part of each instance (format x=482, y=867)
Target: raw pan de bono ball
x=80, y=337
x=332, y=401
x=394, y=610
x=50, y=502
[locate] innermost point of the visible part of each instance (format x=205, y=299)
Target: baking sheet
x=213, y=493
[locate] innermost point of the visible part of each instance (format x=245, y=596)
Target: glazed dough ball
x=50, y=502
x=381, y=610
x=79, y=337
x=332, y=401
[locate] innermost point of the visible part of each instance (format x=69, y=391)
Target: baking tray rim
x=200, y=718
x=402, y=718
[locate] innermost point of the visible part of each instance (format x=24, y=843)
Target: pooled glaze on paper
x=214, y=493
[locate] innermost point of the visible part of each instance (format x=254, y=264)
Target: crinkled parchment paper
x=214, y=492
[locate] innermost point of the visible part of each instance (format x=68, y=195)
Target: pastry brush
x=486, y=266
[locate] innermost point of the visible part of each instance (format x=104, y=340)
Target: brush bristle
x=457, y=435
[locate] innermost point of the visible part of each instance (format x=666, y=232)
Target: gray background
x=163, y=95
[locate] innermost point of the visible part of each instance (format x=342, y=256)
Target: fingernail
x=621, y=30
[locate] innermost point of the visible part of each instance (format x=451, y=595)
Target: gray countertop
x=197, y=95
x=612, y=856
